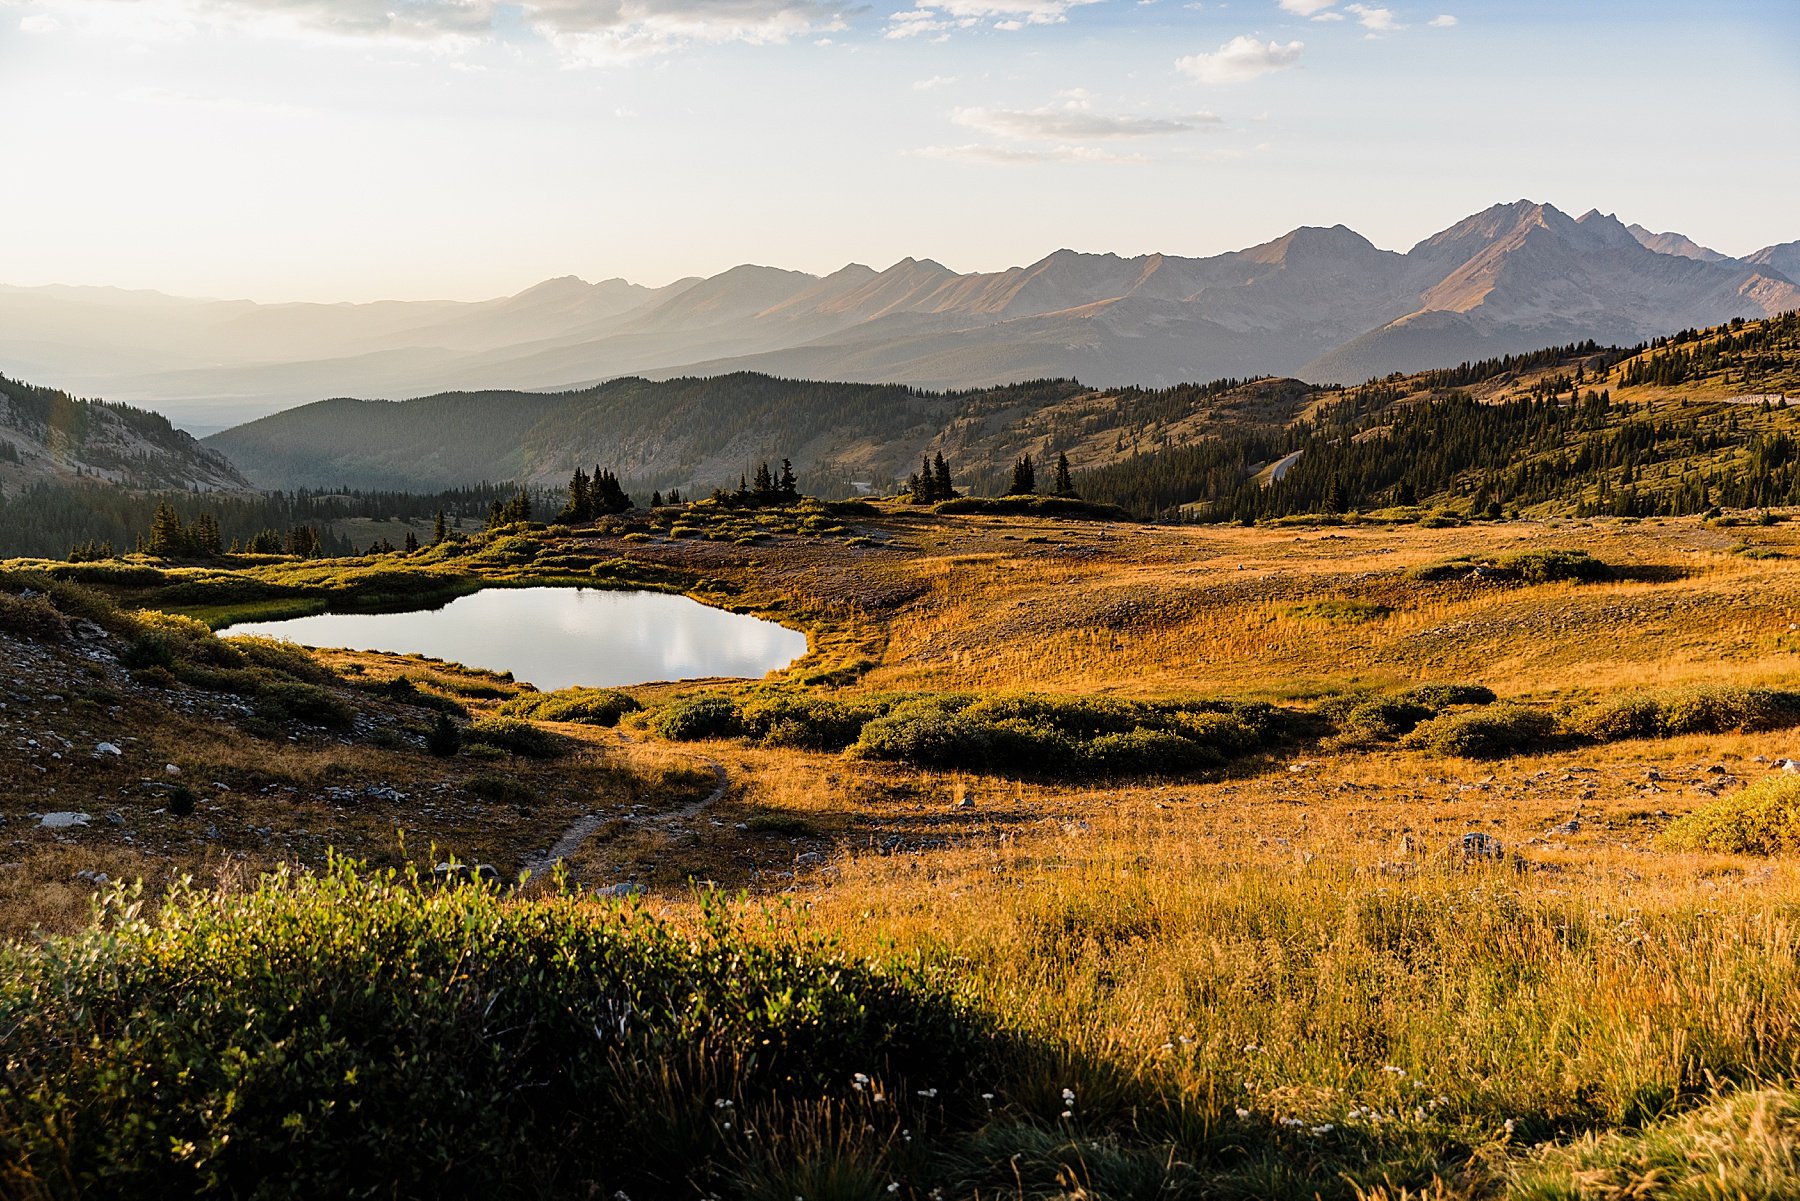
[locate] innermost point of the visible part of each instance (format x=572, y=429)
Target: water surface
x=562, y=637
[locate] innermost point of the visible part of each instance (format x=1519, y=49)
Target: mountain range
x=1322, y=304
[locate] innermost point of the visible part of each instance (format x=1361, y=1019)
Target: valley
x=1306, y=869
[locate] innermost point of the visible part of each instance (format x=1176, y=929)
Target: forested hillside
x=47, y=435
x=1699, y=419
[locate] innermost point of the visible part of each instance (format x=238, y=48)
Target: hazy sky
x=355, y=149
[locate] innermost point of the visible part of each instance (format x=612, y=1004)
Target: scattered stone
x=93, y=877
x=1477, y=845
x=809, y=858
x=63, y=820
x=107, y=748
x=1653, y=774
x=170, y=769
x=967, y=802
x=618, y=890
x=1572, y=826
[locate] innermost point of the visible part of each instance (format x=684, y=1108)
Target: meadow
x=1077, y=859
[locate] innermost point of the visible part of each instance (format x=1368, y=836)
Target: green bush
x=927, y=734
x=1763, y=819
x=1146, y=752
x=587, y=706
x=33, y=617
x=1437, y=697
x=308, y=703
x=518, y=737
x=1548, y=566
x=707, y=715
x=808, y=721
x=1489, y=733
x=347, y=1034
x=1704, y=709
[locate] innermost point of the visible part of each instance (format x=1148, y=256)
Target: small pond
x=562, y=637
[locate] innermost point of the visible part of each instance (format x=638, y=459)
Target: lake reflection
x=562, y=637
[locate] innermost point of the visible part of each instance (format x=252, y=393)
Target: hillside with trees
x=48, y=436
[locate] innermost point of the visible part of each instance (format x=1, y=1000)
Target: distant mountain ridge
x=1323, y=304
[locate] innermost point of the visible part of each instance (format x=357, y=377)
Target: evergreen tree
x=789, y=486
x=1024, y=477
x=439, y=531
x=580, y=508
x=940, y=479
x=168, y=538
x=1065, y=483
x=412, y=542
x=204, y=539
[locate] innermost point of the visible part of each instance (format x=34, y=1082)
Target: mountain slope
x=49, y=437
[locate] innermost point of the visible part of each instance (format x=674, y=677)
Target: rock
x=967, y=802
x=1572, y=826
x=809, y=858
x=63, y=820
x=1477, y=845
x=618, y=890
x=93, y=877
x=1653, y=774
x=107, y=748
x=169, y=769
x=1788, y=765
x=487, y=873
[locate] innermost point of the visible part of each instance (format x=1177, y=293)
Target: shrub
x=1146, y=752
x=1380, y=719
x=587, y=706
x=443, y=739
x=1489, y=733
x=1706, y=709
x=1548, y=566
x=33, y=617
x=807, y=721
x=707, y=715
x=492, y=786
x=1442, y=696
x=347, y=1034
x=308, y=703
x=518, y=737
x=1763, y=819
x=926, y=733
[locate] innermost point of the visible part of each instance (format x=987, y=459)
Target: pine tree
x=790, y=486
x=580, y=508
x=1024, y=477
x=940, y=479
x=439, y=531
x=412, y=542
x=656, y=500
x=168, y=538
x=1065, y=483
x=204, y=539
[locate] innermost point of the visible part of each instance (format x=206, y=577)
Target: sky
x=461, y=149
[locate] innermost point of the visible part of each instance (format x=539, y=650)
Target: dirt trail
x=584, y=827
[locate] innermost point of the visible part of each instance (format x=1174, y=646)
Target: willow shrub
x=350, y=1034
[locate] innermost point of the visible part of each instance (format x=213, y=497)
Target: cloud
x=1371, y=17
x=1442, y=22
x=1074, y=124
x=1240, y=59
x=936, y=81
x=38, y=23
x=1306, y=8
x=939, y=16
x=1013, y=155
x=583, y=29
